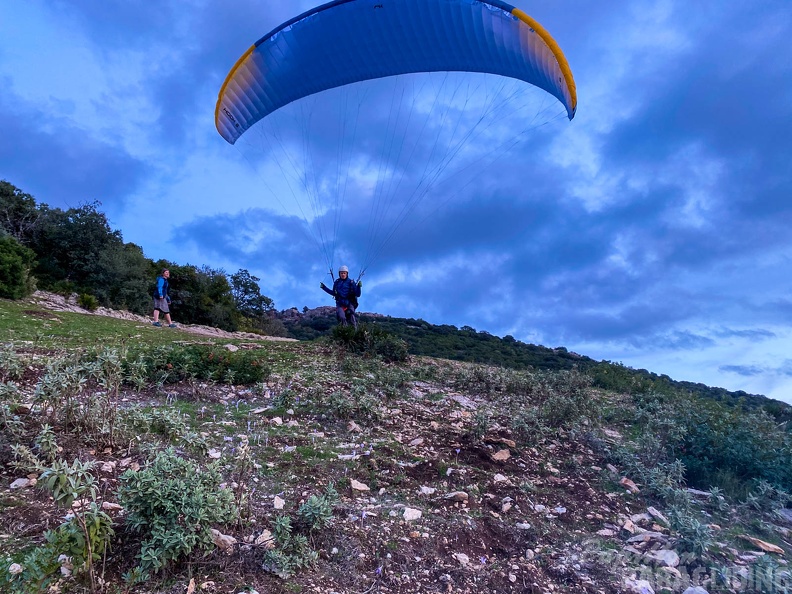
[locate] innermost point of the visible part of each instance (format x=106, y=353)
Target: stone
x=501, y=455
x=664, y=557
x=606, y=532
x=265, y=539
x=231, y=347
x=523, y=526
x=108, y=467
x=224, y=542
x=278, y=503
x=629, y=526
x=15, y=569
x=646, y=537
x=354, y=427
x=427, y=491
x=214, y=454
x=276, y=421
x=695, y=590
x=629, y=485
x=765, y=546
x=108, y=506
x=785, y=514
x=411, y=514
x=658, y=516
x=639, y=586
x=461, y=557
x=499, y=478
x=20, y=483
x=358, y=486
x=417, y=441
x=457, y=496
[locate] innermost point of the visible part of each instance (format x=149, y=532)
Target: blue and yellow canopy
x=348, y=41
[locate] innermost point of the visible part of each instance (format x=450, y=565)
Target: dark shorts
x=162, y=305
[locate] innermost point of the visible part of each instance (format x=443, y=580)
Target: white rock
x=501, y=455
x=108, y=467
x=457, y=496
x=427, y=491
x=214, y=454
x=523, y=526
x=224, y=542
x=276, y=421
x=352, y=426
x=265, y=539
x=664, y=557
x=696, y=590
x=559, y=510
x=512, y=578
x=108, y=506
x=411, y=514
x=20, y=483
x=358, y=486
x=231, y=347
x=461, y=557
x=278, y=503
x=15, y=569
x=499, y=478
x=639, y=586
x=417, y=441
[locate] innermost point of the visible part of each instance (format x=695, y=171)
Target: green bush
x=15, y=263
x=173, y=504
x=171, y=364
x=88, y=301
x=371, y=341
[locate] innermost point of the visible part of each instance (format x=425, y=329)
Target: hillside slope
x=305, y=467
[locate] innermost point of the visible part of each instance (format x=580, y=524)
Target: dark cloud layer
x=61, y=164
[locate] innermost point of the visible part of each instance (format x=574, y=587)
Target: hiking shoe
x=172, y=326
x=156, y=324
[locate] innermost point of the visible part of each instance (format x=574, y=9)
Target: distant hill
x=467, y=344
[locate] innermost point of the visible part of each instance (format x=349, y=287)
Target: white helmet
x=344, y=269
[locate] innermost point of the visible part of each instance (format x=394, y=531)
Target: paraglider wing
x=348, y=41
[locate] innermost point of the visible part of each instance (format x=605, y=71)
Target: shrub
x=15, y=263
x=172, y=364
x=371, y=341
x=88, y=301
x=173, y=503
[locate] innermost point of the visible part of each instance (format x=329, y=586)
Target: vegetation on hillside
x=156, y=464
x=76, y=251
x=467, y=344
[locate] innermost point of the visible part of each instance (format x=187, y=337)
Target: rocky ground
x=437, y=491
x=55, y=302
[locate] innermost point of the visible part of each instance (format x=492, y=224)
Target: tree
x=247, y=296
x=15, y=263
x=70, y=245
x=18, y=212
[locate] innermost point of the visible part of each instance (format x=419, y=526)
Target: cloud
x=60, y=163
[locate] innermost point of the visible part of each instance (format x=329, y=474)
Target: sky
x=653, y=229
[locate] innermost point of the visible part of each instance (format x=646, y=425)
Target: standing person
x=346, y=291
x=162, y=300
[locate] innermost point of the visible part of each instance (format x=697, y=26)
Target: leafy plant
x=47, y=443
x=292, y=550
x=173, y=503
x=88, y=301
